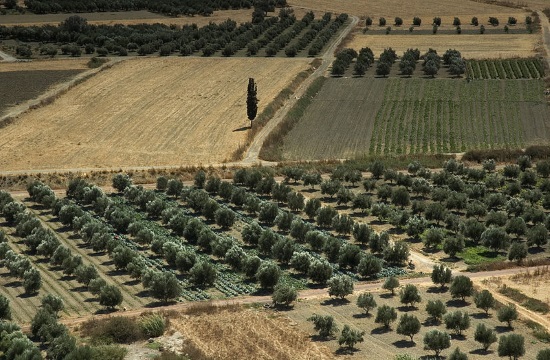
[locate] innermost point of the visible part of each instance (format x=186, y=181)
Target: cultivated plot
x=147, y=112
x=352, y=117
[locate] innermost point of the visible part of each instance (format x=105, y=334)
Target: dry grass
x=246, y=334
x=393, y=8
x=35, y=65
x=471, y=46
x=384, y=345
x=145, y=112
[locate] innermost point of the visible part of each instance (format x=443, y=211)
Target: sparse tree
x=325, y=325
x=437, y=341
x=369, y=265
x=385, y=315
x=436, y=309
x=319, y=271
x=203, y=274
x=251, y=100
x=457, y=321
x=410, y=295
x=110, y=296
x=350, y=337
x=391, y=283
x=441, y=275
x=5, y=311
x=458, y=355
x=512, y=345
x=461, y=287
x=340, y=286
x=284, y=294
x=484, y=300
x=268, y=275
x=409, y=325
x=507, y=314
x=366, y=302
x=485, y=336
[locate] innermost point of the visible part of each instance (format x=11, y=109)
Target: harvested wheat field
x=393, y=8
x=37, y=65
x=471, y=46
x=145, y=112
x=247, y=334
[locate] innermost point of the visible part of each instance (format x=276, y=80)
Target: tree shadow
x=461, y=337
x=436, y=290
x=335, y=302
x=362, y=315
x=502, y=329
x=244, y=128
x=115, y=272
x=458, y=303
x=284, y=307
x=132, y=282
x=14, y=284
x=481, y=315
x=387, y=295
x=106, y=311
x=431, y=322
x=406, y=308
x=27, y=296
x=320, y=338
x=401, y=344
x=143, y=293
x=380, y=330
x=345, y=351
x=450, y=259
x=535, y=250
x=481, y=352
x=154, y=304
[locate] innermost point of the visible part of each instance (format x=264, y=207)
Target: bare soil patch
x=142, y=112
x=250, y=333
x=20, y=86
x=42, y=65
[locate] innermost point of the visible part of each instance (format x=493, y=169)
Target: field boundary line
x=253, y=152
x=50, y=96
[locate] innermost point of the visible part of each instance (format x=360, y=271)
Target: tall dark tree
x=251, y=100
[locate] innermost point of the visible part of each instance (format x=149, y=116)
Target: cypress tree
x=251, y=101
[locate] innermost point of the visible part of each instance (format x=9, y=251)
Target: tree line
x=166, y=7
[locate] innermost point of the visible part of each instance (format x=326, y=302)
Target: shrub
x=118, y=329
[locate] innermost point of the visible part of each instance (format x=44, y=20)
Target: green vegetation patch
x=480, y=254
x=526, y=301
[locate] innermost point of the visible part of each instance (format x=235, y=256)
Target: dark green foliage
x=366, y=302
x=485, y=336
x=340, y=286
x=325, y=325
x=268, y=275
x=369, y=266
x=350, y=337
x=437, y=341
x=517, y=252
x=461, y=287
x=507, y=314
x=385, y=315
x=512, y=345
x=409, y=325
x=436, y=309
x=441, y=275
x=5, y=311
x=391, y=283
x=457, y=321
x=203, y=274
x=484, y=300
x=457, y=355
x=284, y=294
x=319, y=271
x=110, y=296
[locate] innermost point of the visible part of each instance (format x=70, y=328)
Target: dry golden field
x=161, y=111
x=252, y=334
x=471, y=46
x=422, y=8
x=36, y=65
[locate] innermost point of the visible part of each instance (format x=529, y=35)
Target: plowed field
x=353, y=117
x=147, y=112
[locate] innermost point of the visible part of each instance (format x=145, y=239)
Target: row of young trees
x=417, y=21
x=409, y=325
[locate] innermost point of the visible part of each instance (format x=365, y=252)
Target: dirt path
x=252, y=154
x=315, y=294
x=545, y=24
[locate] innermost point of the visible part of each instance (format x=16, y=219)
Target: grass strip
x=525, y=301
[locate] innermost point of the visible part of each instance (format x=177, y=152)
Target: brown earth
x=241, y=333
x=152, y=111
x=43, y=65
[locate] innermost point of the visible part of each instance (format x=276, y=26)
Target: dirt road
x=7, y=57
x=317, y=294
x=253, y=152
x=545, y=24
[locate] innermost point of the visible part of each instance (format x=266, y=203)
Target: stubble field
x=147, y=111
x=410, y=116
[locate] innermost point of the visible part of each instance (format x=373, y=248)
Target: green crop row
x=505, y=69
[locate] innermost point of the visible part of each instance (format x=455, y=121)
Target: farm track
x=545, y=24
x=314, y=294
